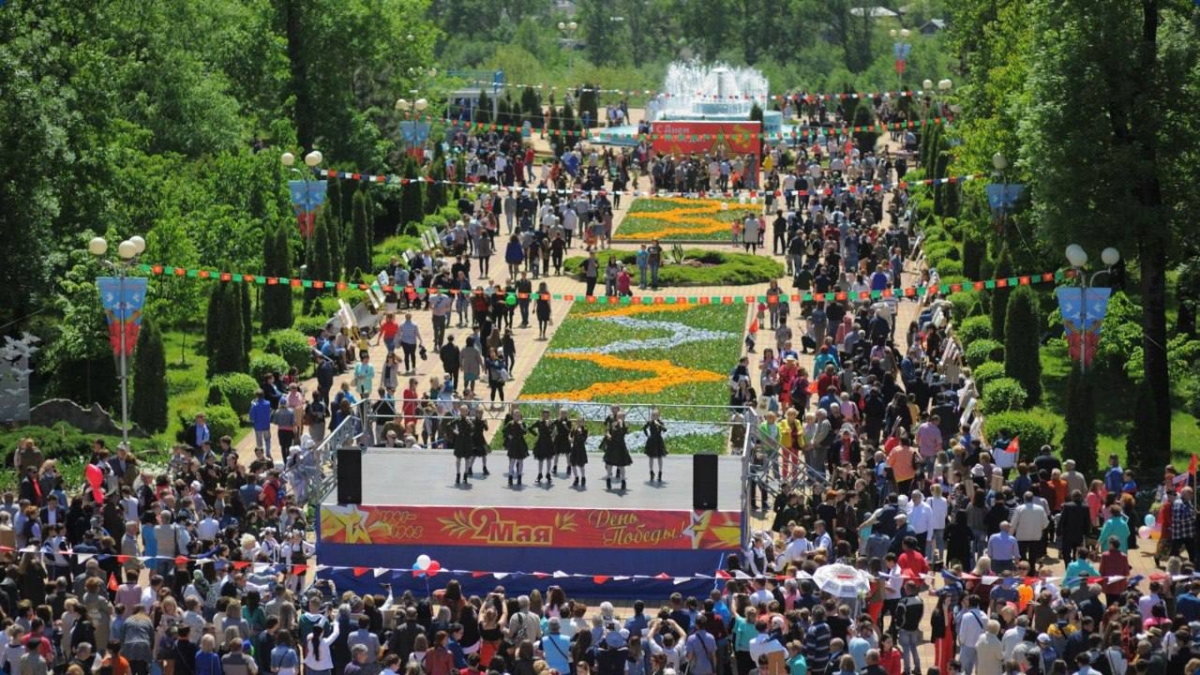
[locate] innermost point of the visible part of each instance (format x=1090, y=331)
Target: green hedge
x=263, y=364
x=973, y=328
x=310, y=325
x=292, y=345
x=1002, y=395
x=238, y=389
x=981, y=351
x=222, y=421
x=1034, y=429
x=987, y=373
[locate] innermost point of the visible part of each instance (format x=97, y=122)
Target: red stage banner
x=686, y=137
x=525, y=527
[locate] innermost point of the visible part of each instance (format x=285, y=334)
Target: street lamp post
x=307, y=194
x=127, y=256
x=1077, y=258
x=1002, y=195
x=413, y=131
x=568, y=29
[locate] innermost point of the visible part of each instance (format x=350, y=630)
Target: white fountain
x=718, y=92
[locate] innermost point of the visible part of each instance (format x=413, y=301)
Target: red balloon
x=434, y=568
x=95, y=478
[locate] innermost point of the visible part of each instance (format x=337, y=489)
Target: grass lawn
x=1113, y=397
x=678, y=219
x=187, y=386
x=665, y=355
x=699, y=268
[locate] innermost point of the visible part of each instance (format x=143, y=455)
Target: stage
x=486, y=533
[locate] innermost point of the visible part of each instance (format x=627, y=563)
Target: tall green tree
x=412, y=209
x=320, y=264
x=277, y=299
x=149, y=406
x=1004, y=269
x=1109, y=82
x=226, y=352
x=1022, y=340
x=1079, y=441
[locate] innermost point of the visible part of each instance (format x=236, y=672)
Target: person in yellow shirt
x=792, y=441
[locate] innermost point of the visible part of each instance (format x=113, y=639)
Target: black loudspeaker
x=349, y=476
x=704, y=482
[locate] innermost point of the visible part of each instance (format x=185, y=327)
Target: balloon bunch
x=1151, y=529
x=425, y=565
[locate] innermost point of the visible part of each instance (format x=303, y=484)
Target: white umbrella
x=763, y=644
x=841, y=581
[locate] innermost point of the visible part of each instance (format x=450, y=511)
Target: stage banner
x=615, y=529
x=687, y=137
x=122, y=300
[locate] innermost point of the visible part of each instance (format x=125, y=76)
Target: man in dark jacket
x=1073, y=524
x=450, y=356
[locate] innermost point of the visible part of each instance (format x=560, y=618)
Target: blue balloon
x=1148, y=520
x=417, y=571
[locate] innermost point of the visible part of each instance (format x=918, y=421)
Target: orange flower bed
x=695, y=217
x=666, y=374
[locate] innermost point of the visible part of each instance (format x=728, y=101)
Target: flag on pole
x=1193, y=465
x=112, y=582
x=754, y=326
x=1014, y=446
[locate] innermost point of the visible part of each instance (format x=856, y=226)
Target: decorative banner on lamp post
x=1083, y=311
x=901, y=51
x=307, y=197
x=122, y=300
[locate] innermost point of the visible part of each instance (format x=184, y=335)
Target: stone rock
x=94, y=420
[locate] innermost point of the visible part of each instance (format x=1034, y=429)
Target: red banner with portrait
x=626, y=529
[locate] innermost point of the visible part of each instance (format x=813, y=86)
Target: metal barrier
x=769, y=473
x=592, y=411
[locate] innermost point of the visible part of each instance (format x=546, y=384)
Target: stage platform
x=486, y=533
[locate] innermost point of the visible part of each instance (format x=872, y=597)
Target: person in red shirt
x=911, y=562
x=409, y=400
x=889, y=656
x=387, y=332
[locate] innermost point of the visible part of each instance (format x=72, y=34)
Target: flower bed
x=672, y=219
x=649, y=355
x=699, y=268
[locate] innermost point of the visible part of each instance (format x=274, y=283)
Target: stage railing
x=769, y=473
x=592, y=411
x=319, y=478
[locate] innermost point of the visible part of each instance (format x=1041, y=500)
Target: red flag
x=754, y=326
x=1014, y=445
x=112, y=582
x=1193, y=465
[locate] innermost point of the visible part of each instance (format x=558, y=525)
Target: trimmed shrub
x=1002, y=395
x=982, y=351
x=949, y=267
x=987, y=373
x=292, y=345
x=966, y=303
x=238, y=390
x=1034, y=430
x=263, y=364
x=951, y=225
x=974, y=251
x=937, y=233
x=222, y=421
x=1022, y=339
x=974, y=328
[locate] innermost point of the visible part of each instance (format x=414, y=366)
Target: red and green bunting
x=876, y=128
x=341, y=286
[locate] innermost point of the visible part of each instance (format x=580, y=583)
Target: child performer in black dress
x=464, y=450
x=609, y=421
x=515, y=445
x=543, y=449
x=480, y=446
x=656, y=447
x=617, y=453
x=578, y=457
x=562, y=438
